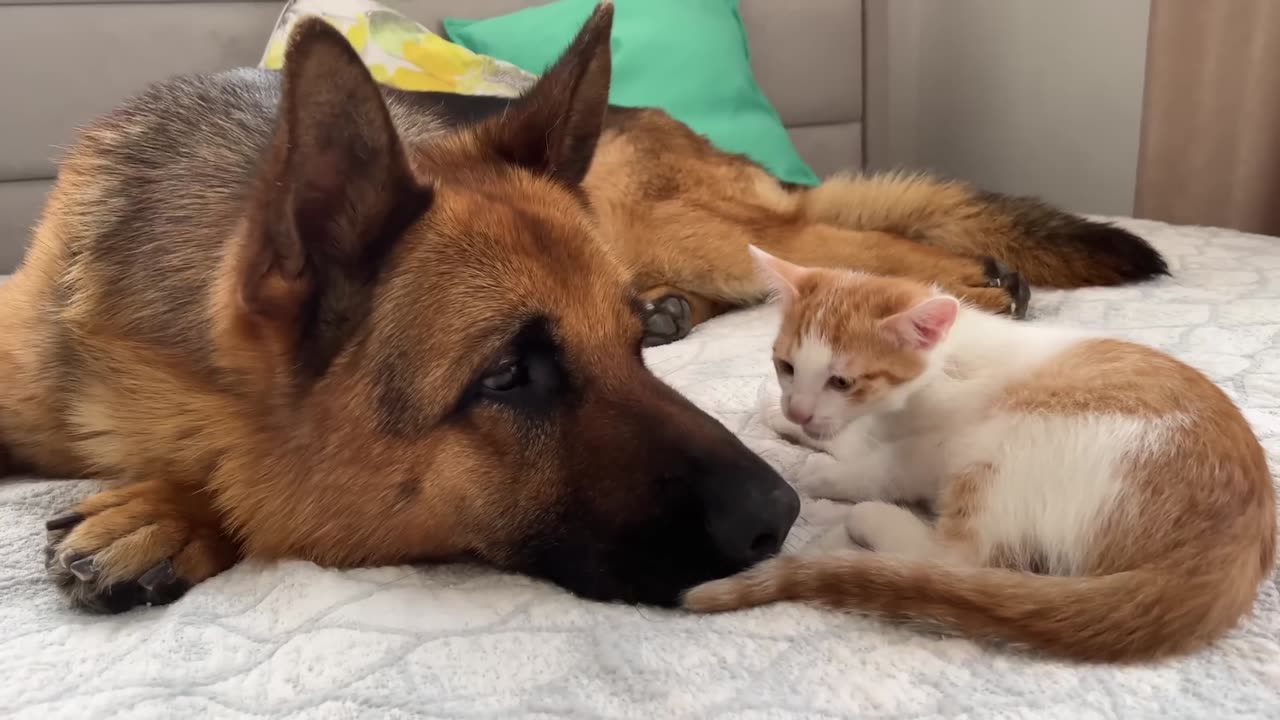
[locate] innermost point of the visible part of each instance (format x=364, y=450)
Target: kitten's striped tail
x=1127, y=616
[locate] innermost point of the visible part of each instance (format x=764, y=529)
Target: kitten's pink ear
x=924, y=325
x=781, y=276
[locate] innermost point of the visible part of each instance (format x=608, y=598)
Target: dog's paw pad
x=666, y=319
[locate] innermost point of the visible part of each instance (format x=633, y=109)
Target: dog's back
x=126, y=252
x=148, y=198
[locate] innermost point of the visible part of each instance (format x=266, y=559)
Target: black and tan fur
x=297, y=315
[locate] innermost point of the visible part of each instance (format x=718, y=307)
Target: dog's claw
x=62, y=522
x=84, y=569
x=666, y=320
x=161, y=584
x=1021, y=298
x=996, y=272
x=162, y=574
x=1002, y=276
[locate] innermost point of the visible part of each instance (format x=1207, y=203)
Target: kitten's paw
x=822, y=476
x=822, y=513
x=787, y=430
x=888, y=528
x=769, y=405
x=833, y=539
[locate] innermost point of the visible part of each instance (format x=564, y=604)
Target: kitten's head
x=851, y=344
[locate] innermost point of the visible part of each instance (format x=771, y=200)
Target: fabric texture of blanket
x=292, y=640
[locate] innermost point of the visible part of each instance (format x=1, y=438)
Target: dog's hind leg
x=713, y=272
x=983, y=283
x=680, y=214
x=1048, y=247
x=144, y=543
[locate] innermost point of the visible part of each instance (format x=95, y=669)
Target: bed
x=293, y=640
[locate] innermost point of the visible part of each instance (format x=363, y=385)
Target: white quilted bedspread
x=294, y=640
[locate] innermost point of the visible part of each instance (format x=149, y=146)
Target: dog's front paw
x=666, y=319
x=136, y=545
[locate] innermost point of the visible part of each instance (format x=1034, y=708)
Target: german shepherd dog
x=299, y=315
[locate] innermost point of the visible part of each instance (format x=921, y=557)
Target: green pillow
x=688, y=57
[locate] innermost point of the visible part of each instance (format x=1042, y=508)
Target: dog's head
x=457, y=355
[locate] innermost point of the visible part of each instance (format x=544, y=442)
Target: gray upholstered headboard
x=64, y=61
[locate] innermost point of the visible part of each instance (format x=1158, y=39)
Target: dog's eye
x=508, y=376
x=784, y=368
x=840, y=383
x=526, y=376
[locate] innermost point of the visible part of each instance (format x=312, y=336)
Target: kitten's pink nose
x=796, y=415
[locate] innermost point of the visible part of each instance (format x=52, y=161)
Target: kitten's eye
x=839, y=383
x=784, y=367
x=506, y=377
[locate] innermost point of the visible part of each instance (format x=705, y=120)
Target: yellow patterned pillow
x=399, y=52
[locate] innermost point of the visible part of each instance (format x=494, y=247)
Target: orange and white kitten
x=1096, y=499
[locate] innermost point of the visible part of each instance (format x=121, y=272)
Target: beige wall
x=1210, y=151
x=1040, y=97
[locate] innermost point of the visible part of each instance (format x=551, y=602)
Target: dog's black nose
x=751, y=524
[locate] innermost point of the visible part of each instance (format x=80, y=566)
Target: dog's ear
x=554, y=128
x=334, y=191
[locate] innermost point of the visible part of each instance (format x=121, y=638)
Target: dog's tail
x=1127, y=616
x=1049, y=247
